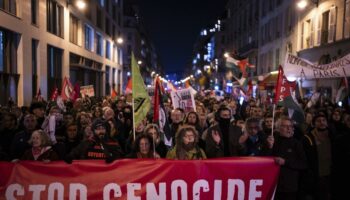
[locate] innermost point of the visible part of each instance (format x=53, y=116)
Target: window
x=54, y=68
x=119, y=81
x=34, y=11
x=99, y=43
x=108, y=27
x=34, y=67
x=9, y=6
x=108, y=86
x=108, y=50
x=89, y=38
x=324, y=28
x=89, y=74
x=120, y=54
x=99, y=18
x=114, y=75
x=54, y=18
x=73, y=29
x=347, y=19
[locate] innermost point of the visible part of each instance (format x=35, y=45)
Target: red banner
x=215, y=179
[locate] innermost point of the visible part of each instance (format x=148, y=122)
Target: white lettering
x=111, y=187
x=183, y=189
x=12, y=189
x=36, y=189
x=217, y=189
x=152, y=192
x=73, y=191
x=253, y=193
x=197, y=188
x=131, y=187
x=231, y=188
x=53, y=187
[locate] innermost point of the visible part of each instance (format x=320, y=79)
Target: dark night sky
x=174, y=26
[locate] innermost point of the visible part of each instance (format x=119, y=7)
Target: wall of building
x=22, y=25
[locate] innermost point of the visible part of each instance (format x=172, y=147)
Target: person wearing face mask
x=99, y=147
x=186, y=147
x=222, y=138
x=318, y=148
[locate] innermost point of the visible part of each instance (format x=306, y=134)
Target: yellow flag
x=142, y=103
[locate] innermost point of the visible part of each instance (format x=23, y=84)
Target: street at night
x=186, y=99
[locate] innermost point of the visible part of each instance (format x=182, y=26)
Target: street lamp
x=303, y=3
x=80, y=4
x=120, y=40
x=139, y=62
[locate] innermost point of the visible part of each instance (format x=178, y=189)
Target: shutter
x=332, y=24
x=302, y=36
x=347, y=20
x=318, y=30
x=312, y=31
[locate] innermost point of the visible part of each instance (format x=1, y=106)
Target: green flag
x=142, y=103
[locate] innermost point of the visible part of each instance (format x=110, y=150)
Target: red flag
x=128, y=88
x=156, y=100
x=113, y=93
x=283, y=87
x=66, y=89
x=54, y=94
x=75, y=93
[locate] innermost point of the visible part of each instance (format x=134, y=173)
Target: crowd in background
x=313, y=155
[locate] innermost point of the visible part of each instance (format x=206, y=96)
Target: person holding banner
x=253, y=142
x=143, y=148
x=290, y=155
x=222, y=138
x=100, y=146
x=41, y=148
x=186, y=147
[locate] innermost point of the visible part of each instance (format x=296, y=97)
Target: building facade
x=138, y=41
x=44, y=41
x=318, y=33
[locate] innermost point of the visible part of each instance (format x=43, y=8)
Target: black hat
x=36, y=105
x=99, y=122
x=318, y=115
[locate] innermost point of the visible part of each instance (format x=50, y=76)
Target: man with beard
x=177, y=116
x=222, y=138
x=99, y=147
x=318, y=148
x=186, y=147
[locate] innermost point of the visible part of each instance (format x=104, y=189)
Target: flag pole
x=273, y=118
x=133, y=118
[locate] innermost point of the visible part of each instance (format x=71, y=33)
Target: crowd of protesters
x=313, y=155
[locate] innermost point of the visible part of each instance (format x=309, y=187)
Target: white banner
x=301, y=68
x=183, y=99
x=87, y=90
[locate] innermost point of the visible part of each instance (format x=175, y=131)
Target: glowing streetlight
x=302, y=4
x=139, y=62
x=120, y=40
x=80, y=4
x=226, y=55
